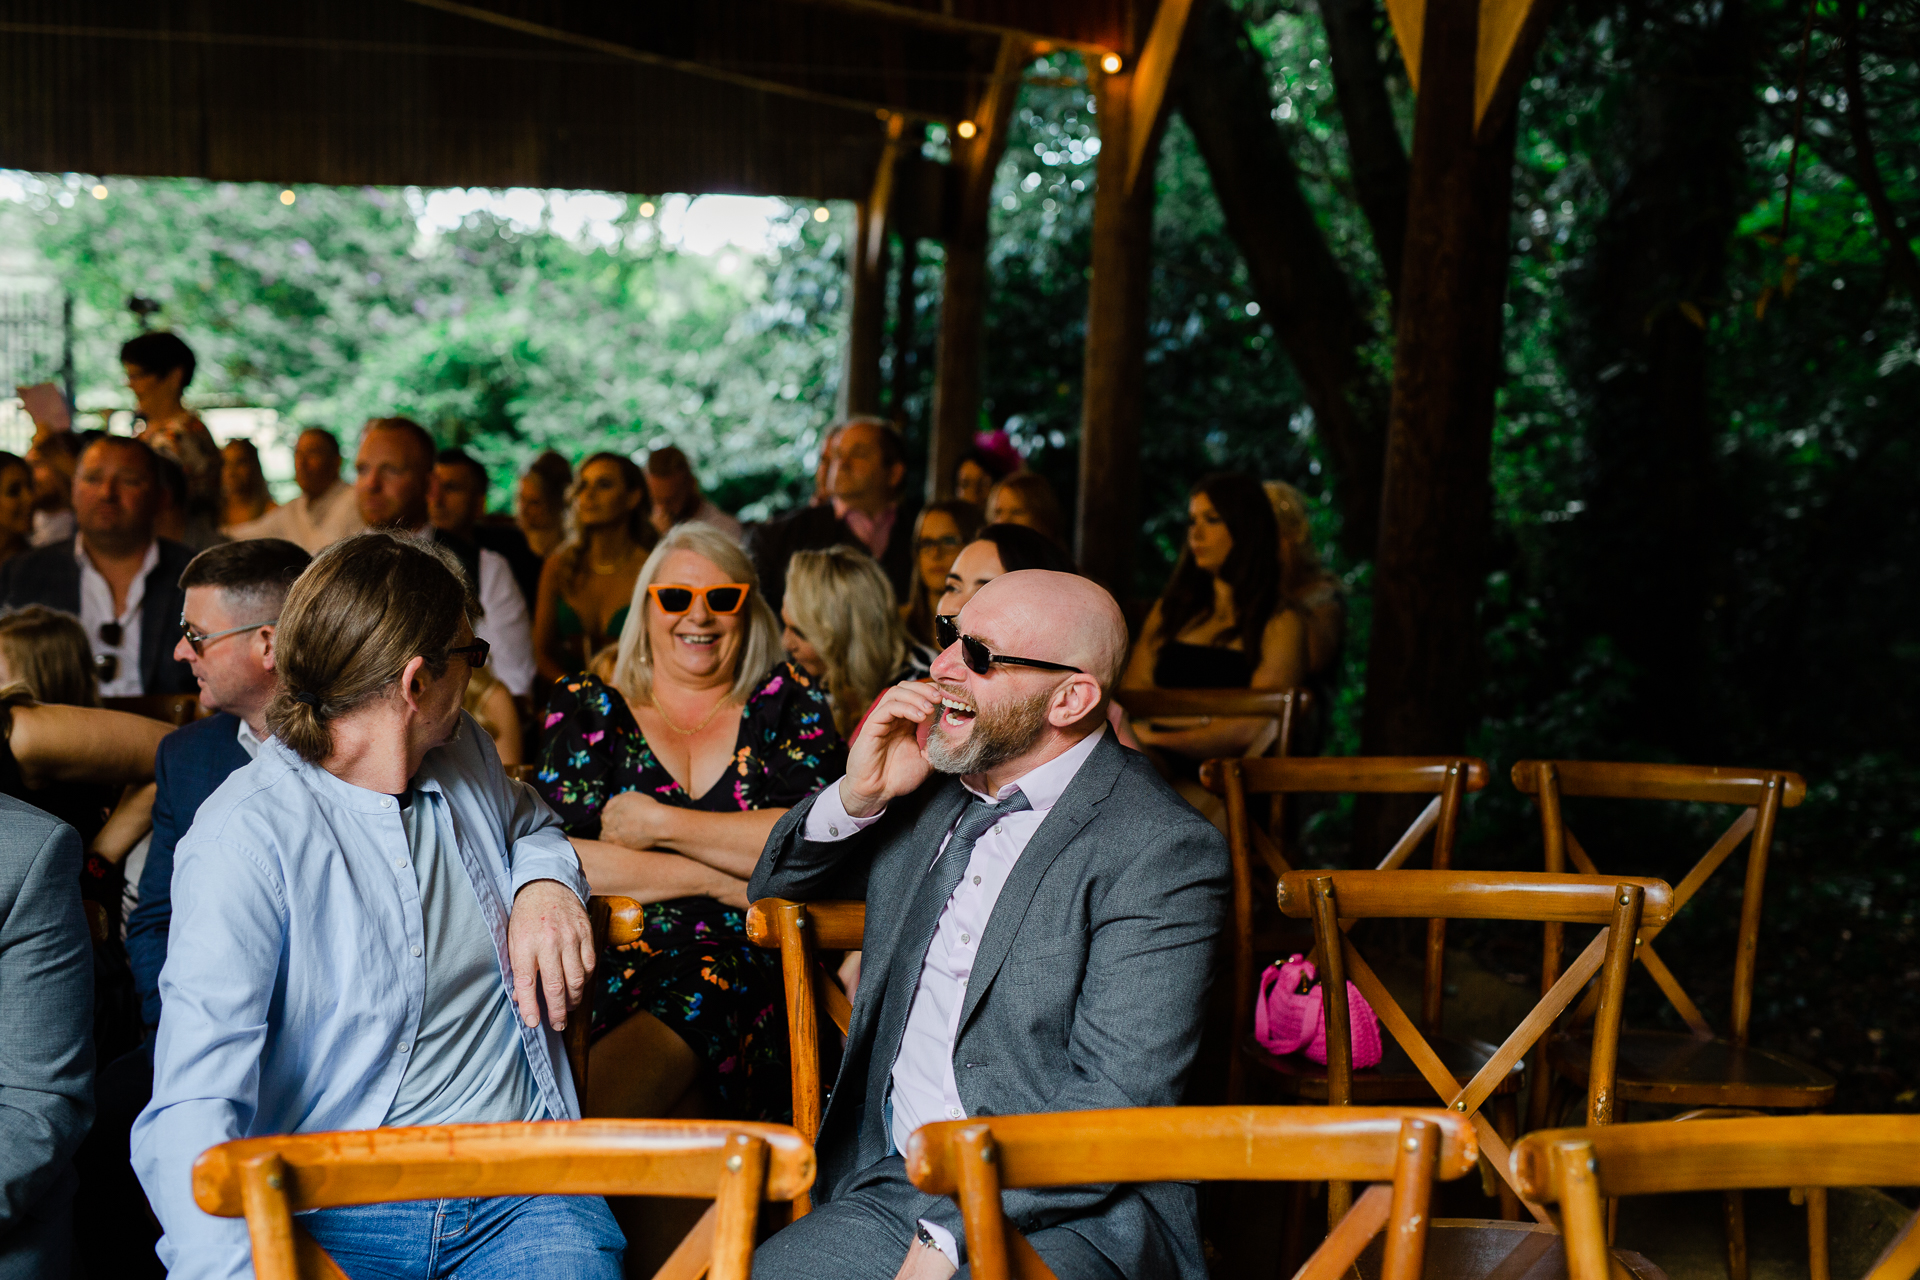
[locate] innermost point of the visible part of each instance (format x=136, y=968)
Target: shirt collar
x=1045, y=784
x=136, y=593
x=345, y=794
x=249, y=743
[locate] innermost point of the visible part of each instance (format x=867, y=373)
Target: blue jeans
x=505, y=1238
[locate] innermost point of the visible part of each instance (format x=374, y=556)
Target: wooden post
x=1435, y=498
x=867, y=282
x=1129, y=105
x=956, y=384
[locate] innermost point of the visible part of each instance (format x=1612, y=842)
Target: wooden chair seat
x=1396, y=1079
x=1684, y=1070
x=1467, y=1249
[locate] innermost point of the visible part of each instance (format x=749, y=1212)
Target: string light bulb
x=646, y=208
x=820, y=214
x=99, y=191
x=286, y=197
x=1111, y=64
x=967, y=128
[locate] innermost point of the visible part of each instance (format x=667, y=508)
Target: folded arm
x=84, y=744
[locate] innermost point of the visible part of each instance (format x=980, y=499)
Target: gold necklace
x=676, y=728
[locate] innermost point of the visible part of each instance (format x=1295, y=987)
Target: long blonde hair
x=843, y=603
x=633, y=664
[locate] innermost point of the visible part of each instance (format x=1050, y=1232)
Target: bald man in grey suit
x=1042, y=914
x=46, y=1039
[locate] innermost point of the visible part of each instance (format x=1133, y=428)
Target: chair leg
x=1736, y=1236
x=1294, y=1251
x=1817, y=1233
x=1506, y=1123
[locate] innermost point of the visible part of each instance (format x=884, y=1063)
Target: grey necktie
x=923, y=915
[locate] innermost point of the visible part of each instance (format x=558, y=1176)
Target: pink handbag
x=1289, y=1016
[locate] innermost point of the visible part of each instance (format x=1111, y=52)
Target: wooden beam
x=1150, y=76
x=956, y=385
x=1506, y=28
x=867, y=285
x=1091, y=37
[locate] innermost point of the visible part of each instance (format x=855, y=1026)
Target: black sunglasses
x=475, y=653
x=976, y=654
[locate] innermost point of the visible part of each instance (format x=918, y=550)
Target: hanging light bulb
x=966, y=128
x=646, y=208
x=99, y=191
x=286, y=197
x=1111, y=64
x=820, y=214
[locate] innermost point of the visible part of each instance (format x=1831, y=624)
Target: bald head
x=1057, y=617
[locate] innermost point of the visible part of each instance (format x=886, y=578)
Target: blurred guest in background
x=942, y=529
x=842, y=627
x=325, y=511
x=978, y=470
x=243, y=484
x=1305, y=581
x=822, y=468
x=540, y=502
x=394, y=467
x=174, y=520
x=16, y=507
x=586, y=587
x=997, y=549
x=677, y=497
x=115, y=574
x=1028, y=499
x=867, y=474
x=669, y=779
x=53, y=459
x=1227, y=620
x=457, y=505
x=48, y=1066
x=159, y=368
x=495, y=711
x=46, y=650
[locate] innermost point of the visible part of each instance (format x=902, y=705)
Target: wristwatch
x=926, y=1238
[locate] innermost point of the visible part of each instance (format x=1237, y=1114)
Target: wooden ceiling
x=771, y=97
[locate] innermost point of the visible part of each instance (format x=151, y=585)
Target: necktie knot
x=980, y=817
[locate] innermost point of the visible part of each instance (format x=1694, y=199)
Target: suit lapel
x=1076, y=807
x=924, y=841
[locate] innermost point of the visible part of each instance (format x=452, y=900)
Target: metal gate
x=36, y=339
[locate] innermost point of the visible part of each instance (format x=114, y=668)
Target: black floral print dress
x=692, y=966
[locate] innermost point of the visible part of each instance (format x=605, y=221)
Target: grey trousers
x=865, y=1232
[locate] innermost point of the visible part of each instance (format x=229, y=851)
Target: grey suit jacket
x=46, y=1038
x=1086, y=993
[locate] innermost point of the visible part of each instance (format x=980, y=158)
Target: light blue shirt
x=296, y=979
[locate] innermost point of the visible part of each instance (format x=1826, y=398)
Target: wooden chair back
x=1401, y=1150
x=739, y=1165
x=1579, y=1169
x=1761, y=794
x=800, y=931
x=1620, y=905
x=1259, y=860
x=175, y=709
x=1285, y=709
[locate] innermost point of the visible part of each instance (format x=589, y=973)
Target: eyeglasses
x=200, y=642
x=978, y=657
x=723, y=598
x=475, y=653
x=947, y=542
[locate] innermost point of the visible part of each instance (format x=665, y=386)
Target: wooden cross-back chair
x=1260, y=859
x=1620, y=905
x=737, y=1165
x=799, y=931
x=1695, y=1068
x=1400, y=1150
x=1285, y=709
x=1580, y=1169
x=175, y=709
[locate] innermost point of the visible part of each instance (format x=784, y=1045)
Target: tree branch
x=1901, y=266
x=1373, y=139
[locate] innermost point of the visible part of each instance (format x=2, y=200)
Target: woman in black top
x=1226, y=620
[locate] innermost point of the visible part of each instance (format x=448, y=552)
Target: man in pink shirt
x=1042, y=912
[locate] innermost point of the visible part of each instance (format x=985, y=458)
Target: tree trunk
x=1223, y=93
x=1431, y=565
x=1373, y=137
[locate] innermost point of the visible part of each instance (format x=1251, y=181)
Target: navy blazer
x=50, y=576
x=190, y=765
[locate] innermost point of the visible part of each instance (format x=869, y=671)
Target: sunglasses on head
x=726, y=597
x=946, y=629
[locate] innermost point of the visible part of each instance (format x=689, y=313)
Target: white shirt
x=96, y=610
x=924, y=1086
x=250, y=744
x=504, y=623
x=313, y=523
x=50, y=527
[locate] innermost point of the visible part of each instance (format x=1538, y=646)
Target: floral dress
x=692, y=966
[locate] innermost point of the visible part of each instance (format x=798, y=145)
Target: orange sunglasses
x=723, y=598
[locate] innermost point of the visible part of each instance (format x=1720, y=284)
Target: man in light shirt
x=676, y=494
x=114, y=574
x=394, y=468
x=325, y=511
x=1042, y=914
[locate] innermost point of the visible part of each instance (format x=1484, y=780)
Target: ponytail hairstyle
x=368, y=606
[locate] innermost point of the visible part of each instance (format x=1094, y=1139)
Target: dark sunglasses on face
x=475, y=653
x=724, y=598
x=199, y=642
x=976, y=654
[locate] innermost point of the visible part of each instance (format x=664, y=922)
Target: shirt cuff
x=829, y=820
x=943, y=1238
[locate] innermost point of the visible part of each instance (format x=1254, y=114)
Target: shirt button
x=386, y=802
x=955, y=1113
x=416, y=951
x=399, y=863
x=966, y=937
x=404, y=1048
x=833, y=831
x=976, y=879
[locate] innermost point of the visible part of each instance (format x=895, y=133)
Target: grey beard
x=997, y=737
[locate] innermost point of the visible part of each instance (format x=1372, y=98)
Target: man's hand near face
x=550, y=945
